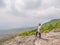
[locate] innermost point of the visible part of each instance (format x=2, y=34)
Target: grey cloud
x=2, y=4
x=32, y=4
x=29, y=5
x=55, y=15
x=40, y=4
x=56, y=3
x=15, y=12
x=28, y=10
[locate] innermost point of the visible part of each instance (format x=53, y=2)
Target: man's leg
x=36, y=34
x=39, y=35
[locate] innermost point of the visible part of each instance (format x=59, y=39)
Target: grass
x=47, y=27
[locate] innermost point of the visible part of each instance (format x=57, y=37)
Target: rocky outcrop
x=51, y=38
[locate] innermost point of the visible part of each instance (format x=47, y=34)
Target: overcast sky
x=27, y=13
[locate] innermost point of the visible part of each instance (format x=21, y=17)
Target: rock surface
x=51, y=38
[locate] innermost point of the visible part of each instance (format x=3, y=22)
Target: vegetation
x=28, y=33
x=47, y=27
x=53, y=24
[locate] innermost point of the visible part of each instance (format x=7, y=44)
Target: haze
x=27, y=13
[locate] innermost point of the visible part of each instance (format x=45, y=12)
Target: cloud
x=32, y=4
x=25, y=13
x=2, y=4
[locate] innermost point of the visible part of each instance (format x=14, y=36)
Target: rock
x=41, y=42
x=51, y=38
x=21, y=40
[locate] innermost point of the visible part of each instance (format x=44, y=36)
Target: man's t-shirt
x=39, y=29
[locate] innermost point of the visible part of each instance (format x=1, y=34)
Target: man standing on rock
x=38, y=33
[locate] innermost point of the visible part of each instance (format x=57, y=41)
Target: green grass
x=53, y=24
x=47, y=27
x=27, y=33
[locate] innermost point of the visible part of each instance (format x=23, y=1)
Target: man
x=38, y=33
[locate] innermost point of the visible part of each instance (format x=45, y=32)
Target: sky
x=27, y=13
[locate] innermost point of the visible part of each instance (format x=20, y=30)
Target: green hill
x=47, y=27
x=53, y=24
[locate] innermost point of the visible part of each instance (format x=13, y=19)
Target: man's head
x=39, y=24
